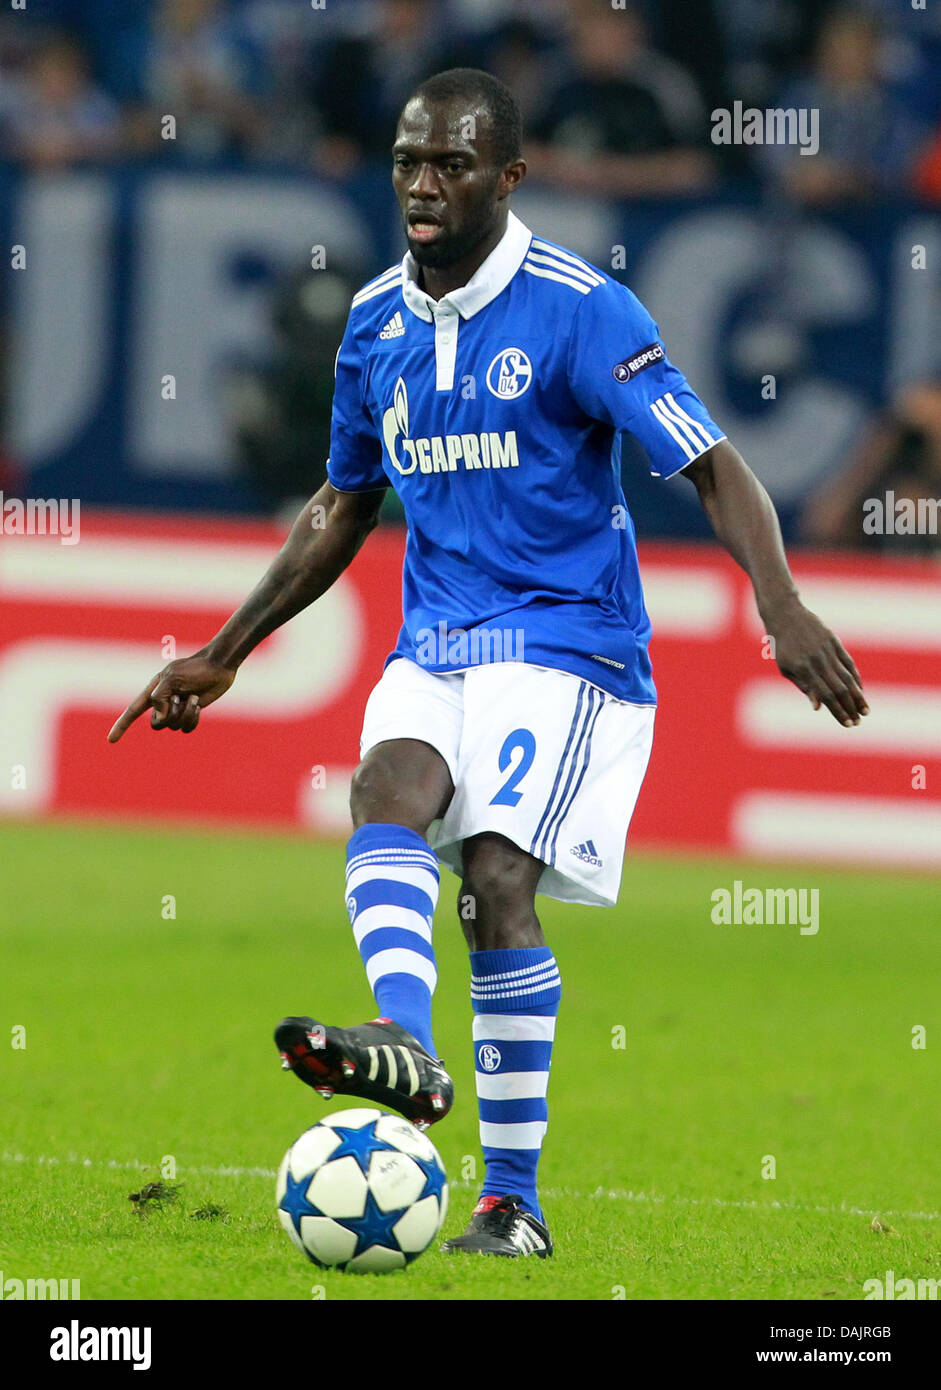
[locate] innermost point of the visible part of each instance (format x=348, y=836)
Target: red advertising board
x=741, y=762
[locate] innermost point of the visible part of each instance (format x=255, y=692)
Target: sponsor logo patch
x=647, y=357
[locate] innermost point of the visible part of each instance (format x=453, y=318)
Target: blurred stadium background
x=192, y=189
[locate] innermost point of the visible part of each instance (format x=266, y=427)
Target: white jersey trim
x=557, y=263
x=532, y=269
x=540, y=245
x=383, y=282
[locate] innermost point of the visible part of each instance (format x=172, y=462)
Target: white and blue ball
x=363, y=1190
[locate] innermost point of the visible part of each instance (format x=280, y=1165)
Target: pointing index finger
x=134, y=711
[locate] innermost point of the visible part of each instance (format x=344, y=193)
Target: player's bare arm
x=323, y=540
x=744, y=520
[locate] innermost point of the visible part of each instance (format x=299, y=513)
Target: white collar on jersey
x=489, y=279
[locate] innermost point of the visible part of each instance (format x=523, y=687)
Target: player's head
x=455, y=161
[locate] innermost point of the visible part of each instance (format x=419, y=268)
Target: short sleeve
x=355, y=462
x=619, y=373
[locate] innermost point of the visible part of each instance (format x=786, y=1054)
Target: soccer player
x=487, y=379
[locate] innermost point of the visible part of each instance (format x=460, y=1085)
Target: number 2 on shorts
x=525, y=741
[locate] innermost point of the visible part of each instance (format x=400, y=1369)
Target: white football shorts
x=544, y=758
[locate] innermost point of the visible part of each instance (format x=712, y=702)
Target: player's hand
x=176, y=695
x=814, y=658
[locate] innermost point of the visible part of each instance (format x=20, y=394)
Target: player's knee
x=498, y=870
x=379, y=793
x=495, y=903
x=491, y=881
x=371, y=791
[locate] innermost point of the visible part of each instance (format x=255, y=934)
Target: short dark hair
x=479, y=88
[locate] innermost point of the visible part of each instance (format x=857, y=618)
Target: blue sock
x=515, y=994
x=391, y=894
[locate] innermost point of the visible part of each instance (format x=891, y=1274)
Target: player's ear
x=511, y=177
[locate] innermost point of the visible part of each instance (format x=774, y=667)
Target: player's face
x=445, y=180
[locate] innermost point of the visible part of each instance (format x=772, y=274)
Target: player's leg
x=392, y=877
x=401, y=786
x=401, y=781
x=497, y=899
x=515, y=993
x=550, y=767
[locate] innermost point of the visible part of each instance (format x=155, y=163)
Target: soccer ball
x=363, y=1190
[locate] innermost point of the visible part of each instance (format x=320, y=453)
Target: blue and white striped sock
x=515, y=994
x=391, y=894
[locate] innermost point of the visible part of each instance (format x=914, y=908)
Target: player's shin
x=515, y=995
x=391, y=894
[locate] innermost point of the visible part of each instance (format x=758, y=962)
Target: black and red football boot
x=500, y=1226
x=378, y=1061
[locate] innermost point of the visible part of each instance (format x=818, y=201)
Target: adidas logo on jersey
x=395, y=328
x=587, y=853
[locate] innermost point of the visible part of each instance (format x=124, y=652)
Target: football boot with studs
x=500, y=1226
x=378, y=1061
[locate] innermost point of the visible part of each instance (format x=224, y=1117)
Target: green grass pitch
x=149, y=1036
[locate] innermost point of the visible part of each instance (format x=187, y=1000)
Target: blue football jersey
x=495, y=413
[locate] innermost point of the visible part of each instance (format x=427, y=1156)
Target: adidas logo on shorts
x=587, y=853
x=395, y=328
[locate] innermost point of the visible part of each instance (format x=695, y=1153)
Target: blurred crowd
x=896, y=464
x=618, y=99
x=617, y=95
